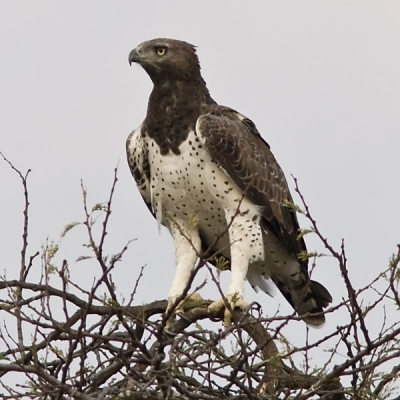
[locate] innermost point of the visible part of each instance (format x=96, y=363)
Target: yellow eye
x=161, y=51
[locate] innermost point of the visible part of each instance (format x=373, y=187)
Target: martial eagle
x=205, y=172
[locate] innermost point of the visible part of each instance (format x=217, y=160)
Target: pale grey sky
x=319, y=79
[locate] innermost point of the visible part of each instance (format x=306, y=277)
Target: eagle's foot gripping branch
x=181, y=306
x=234, y=301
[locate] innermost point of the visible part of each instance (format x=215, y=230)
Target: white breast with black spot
x=190, y=187
x=179, y=188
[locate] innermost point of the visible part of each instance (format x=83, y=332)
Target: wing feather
x=139, y=165
x=235, y=144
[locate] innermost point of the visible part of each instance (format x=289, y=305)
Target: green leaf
x=221, y=263
x=303, y=232
x=292, y=206
x=68, y=228
x=82, y=258
x=100, y=207
x=51, y=269
x=303, y=256
x=52, y=250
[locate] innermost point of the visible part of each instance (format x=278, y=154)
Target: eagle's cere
x=205, y=172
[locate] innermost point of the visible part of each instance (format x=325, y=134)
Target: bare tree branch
x=100, y=347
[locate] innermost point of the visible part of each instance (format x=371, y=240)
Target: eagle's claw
x=234, y=300
x=179, y=308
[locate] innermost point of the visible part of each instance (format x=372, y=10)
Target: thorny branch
x=97, y=346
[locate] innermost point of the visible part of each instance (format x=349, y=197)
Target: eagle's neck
x=173, y=109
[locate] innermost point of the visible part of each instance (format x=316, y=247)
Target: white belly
x=191, y=187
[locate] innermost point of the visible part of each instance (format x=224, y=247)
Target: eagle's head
x=165, y=59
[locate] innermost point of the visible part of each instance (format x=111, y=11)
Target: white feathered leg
x=187, y=247
x=246, y=246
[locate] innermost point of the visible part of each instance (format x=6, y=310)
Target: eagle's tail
x=309, y=300
x=312, y=300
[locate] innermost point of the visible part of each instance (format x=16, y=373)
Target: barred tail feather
x=308, y=297
x=313, y=301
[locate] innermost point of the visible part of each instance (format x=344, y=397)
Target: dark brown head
x=167, y=59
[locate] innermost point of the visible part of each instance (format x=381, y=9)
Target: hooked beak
x=134, y=57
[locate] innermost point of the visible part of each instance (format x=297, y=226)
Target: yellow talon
x=234, y=300
x=179, y=308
